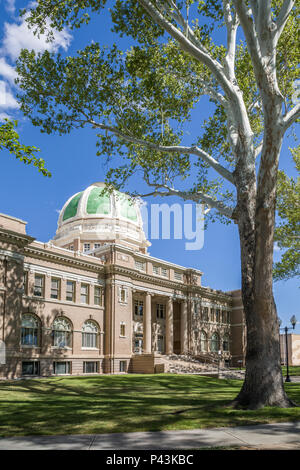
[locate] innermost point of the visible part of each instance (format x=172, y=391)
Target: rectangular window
x=61, y=368
x=228, y=317
x=90, y=367
x=217, y=315
x=25, y=283
x=122, y=295
x=70, y=291
x=160, y=311
x=97, y=295
x=212, y=314
x=84, y=293
x=31, y=368
x=177, y=276
x=86, y=247
x=140, y=265
x=122, y=329
x=97, y=245
x=205, y=313
x=156, y=270
x=122, y=366
x=71, y=247
x=90, y=340
x=138, y=308
x=55, y=288
x=164, y=272
x=38, y=285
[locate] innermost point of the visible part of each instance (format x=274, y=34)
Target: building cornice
x=72, y=260
x=15, y=238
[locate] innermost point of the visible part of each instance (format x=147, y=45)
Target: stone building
x=293, y=344
x=93, y=300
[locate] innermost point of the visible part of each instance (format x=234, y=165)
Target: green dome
x=98, y=203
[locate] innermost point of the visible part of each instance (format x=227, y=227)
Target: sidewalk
x=264, y=436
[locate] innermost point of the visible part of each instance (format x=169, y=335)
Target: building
x=293, y=341
x=92, y=300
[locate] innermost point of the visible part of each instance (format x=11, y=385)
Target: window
x=138, y=308
x=212, y=314
x=228, y=317
x=122, y=329
x=71, y=247
x=29, y=330
x=70, y=291
x=205, y=313
x=155, y=270
x=218, y=316
x=140, y=265
x=97, y=245
x=25, y=282
x=62, y=333
x=97, y=295
x=90, y=333
x=122, y=366
x=86, y=247
x=30, y=368
x=55, y=288
x=215, y=342
x=160, y=311
x=123, y=294
x=61, y=368
x=223, y=317
x=226, y=343
x=84, y=294
x=164, y=272
x=90, y=367
x=196, y=308
x=38, y=285
x=177, y=276
x=203, y=341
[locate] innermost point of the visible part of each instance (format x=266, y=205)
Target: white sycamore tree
x=141, y=101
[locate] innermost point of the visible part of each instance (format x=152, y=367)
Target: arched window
x=29, y=330
x=226, y=343
x=203, y=341
x=90, y=333
x=62, y=333
x=215, y=342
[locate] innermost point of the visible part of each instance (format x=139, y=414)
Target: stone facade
x=115, y=309
x=293, y=349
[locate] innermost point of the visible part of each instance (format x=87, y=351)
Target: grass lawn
x=103, y=404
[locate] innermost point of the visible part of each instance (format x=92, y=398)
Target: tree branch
x=169, y=149
x=231, y=25
x=250, y=35
x=190, y=196
x=282, y=18
x=199, y=53
x=291, y=116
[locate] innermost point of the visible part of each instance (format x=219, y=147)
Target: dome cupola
x=92, y=218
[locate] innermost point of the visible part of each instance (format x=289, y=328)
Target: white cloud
x=7, y=99
x=10, y=6
x=18, y=36
x=6, y=70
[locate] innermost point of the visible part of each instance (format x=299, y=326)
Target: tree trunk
x=263, y=385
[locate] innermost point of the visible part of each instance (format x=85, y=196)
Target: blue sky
x=72, y=159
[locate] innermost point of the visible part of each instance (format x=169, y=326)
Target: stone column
x=147, y=324
x=169, y=327
x=183, y=332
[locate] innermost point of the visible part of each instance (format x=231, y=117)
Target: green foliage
x=148, y=92
x=9, y=140
x=287, y=233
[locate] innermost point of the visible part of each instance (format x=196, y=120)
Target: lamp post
x=293, y=321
